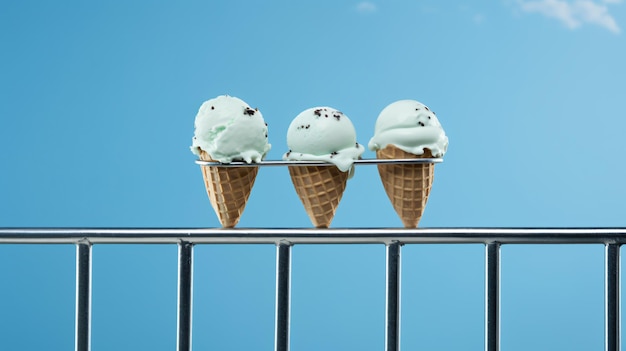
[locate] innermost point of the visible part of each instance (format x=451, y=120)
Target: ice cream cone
x=320, y=189
x=228, y=189
x=407, y=185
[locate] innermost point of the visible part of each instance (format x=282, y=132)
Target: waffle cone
x=407, y=185
x=228, y=189
x=320, y=189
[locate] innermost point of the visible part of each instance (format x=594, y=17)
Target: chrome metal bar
x=314, y=236
x=612, y=298
x=185, y=296
x=319, y=163
x=83, y=297
x=283, y=296
x=492, y=296
x=392, y=297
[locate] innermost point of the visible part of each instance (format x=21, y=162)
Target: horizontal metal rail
x=395, y=161
x=285, y=238
x=314, y=236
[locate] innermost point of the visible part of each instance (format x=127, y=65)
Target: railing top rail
x=313, y=236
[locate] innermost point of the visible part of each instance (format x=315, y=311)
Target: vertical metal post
x=492, y=296
x=185, y=296
x=612, y=298
x=392, y=297
x=83, y=296
x=283, y=296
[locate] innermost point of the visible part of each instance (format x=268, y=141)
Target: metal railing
x=285, y=239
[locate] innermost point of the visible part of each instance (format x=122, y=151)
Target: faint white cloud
x=574, y=14
x=478, y=18
x=366, y=7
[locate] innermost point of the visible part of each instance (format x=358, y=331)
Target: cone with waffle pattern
x=408, y=129
x=227, y=129
x=406, y=185
x=322, y=134
x=320, y=189
x=228, y=189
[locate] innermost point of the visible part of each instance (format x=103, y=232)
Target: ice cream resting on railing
x=231, y=140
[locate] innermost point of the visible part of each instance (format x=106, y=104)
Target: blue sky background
x=97, y=103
